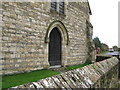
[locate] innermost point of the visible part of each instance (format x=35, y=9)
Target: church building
x=42, y=35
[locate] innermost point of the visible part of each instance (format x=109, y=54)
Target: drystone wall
x=102, y=74
x=24, y=27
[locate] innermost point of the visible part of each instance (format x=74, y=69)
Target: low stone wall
x=102, y=74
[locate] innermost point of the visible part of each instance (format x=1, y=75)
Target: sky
x=104, y=19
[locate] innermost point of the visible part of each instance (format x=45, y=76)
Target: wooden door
x=55, y=48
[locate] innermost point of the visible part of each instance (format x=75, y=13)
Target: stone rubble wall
x=24, y=27
x=102, y=74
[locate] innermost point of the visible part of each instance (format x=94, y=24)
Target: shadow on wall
x=102, y=57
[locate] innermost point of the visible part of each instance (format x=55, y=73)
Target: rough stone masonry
x=26, y=29
x=102, y=74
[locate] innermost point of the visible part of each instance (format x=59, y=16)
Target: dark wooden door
x=55, y=48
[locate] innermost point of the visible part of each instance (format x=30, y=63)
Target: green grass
x=0, y=85
x=0, y=82
x=18, y=79
x=103, y=53
x=77, y=66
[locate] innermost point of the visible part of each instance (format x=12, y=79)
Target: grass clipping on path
x=18, y=79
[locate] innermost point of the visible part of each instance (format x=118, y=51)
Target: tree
x=97, y=43
x=115, y=48
x=105, y=47
x=119, y=49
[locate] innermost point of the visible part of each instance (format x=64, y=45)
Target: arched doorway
x=55, y=47
x=63, y=33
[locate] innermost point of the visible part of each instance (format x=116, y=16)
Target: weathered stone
x=64, y=83
x=68, y=80
x=59, y=84
x=85, y=77
x=26, y=29
x=37, y=85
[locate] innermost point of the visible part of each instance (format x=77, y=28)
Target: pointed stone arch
x=61, y=28
x=64, y=42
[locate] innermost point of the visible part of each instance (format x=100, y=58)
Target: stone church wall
x=24, y=28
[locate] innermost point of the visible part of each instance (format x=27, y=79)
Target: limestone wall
x=102, y=74
x=24, y=28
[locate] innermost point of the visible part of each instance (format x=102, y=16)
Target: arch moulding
x=62, y=29
x=65, y=42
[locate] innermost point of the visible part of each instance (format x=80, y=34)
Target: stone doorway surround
x=65, y=41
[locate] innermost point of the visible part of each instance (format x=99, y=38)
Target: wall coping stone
x=84, y=77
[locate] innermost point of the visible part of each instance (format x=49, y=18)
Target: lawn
x=77, y=66
x=103, y=53
x=18, y=79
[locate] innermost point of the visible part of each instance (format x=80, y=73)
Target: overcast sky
x=105, y=20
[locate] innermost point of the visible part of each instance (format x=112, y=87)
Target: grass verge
x=77, y=66
x=18, y=79
x=103, y=53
